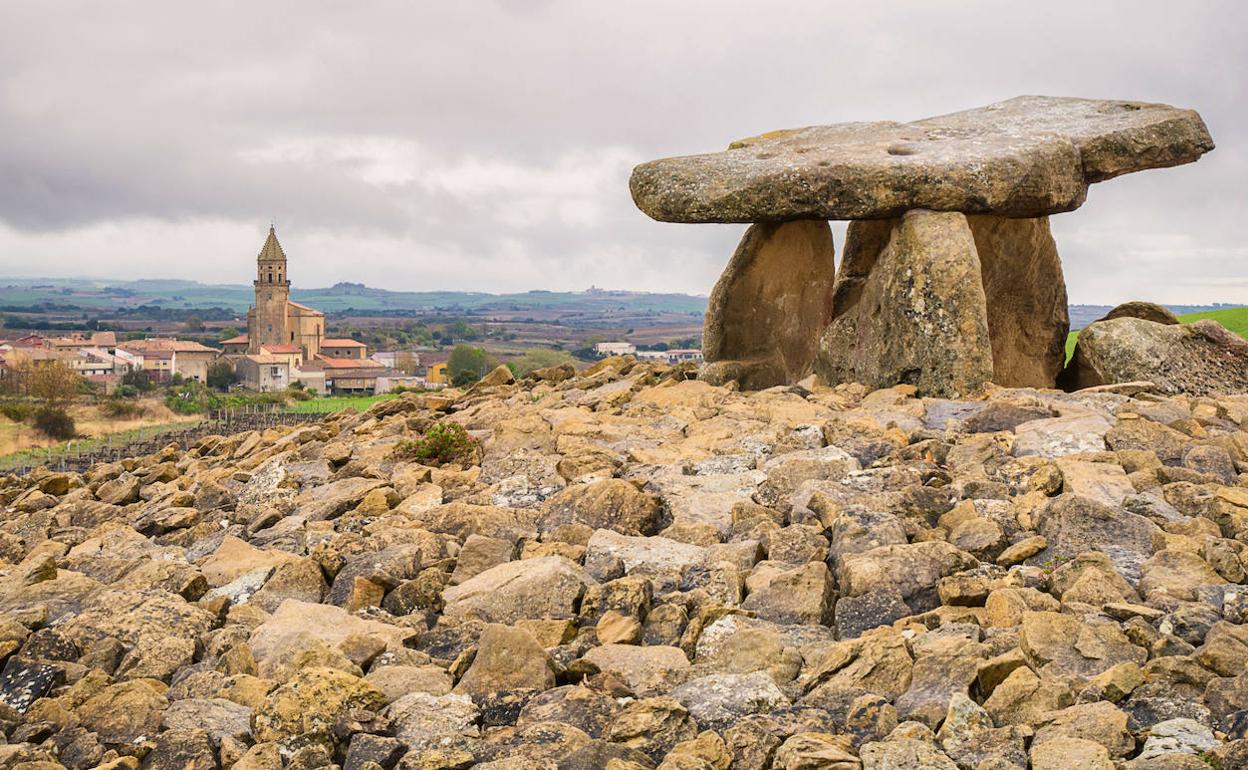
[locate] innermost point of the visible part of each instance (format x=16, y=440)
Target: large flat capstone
x=1026, y=157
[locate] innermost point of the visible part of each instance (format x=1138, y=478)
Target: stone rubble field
x=641, y=570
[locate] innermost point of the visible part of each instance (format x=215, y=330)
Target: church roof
x=297, y=306
x=272, y=250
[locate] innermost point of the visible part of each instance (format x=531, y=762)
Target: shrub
x=444, y=442
x=191, y=397
x=221, y=375
x=138, y=380
x=55, y=423
x=118, y=408
x=126, y=391
x=299, y=394
x=16, y=411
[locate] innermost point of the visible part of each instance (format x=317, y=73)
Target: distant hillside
x=18, y=294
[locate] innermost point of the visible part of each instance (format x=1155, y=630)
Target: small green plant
x=16, y=411
x=443, y=442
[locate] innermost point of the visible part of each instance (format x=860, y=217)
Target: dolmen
x=949, y=278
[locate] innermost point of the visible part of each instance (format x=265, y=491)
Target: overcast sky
x=483, y=145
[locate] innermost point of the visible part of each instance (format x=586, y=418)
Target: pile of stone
x=949, y=277
x=643, y=570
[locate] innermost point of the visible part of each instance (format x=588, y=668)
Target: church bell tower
x=272, y=295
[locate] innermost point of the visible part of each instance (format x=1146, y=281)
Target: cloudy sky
x=486, y=145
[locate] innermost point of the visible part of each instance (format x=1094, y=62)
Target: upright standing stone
x=909, y=307
x=770, y=305
x=1027, y=315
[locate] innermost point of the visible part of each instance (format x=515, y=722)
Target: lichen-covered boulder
x=1200, y=359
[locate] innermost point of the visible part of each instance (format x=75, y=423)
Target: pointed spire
x=272, y=250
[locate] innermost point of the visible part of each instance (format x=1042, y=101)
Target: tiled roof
x=312, y=310
x=241, y=339
x=264, y=358
x=281, y=348
x=349, y=363
x=342, y=343
x=166, y=343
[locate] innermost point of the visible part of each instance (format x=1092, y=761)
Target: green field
x=335, y=403
x=1235, y=319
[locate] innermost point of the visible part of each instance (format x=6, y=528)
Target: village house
x=264, y=372
x=673, y=356
x=615, y=349
x=164, y=357
x=435, y=375
x=345, y=349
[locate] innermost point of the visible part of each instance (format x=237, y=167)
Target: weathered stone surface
x=1026, y=157
x=1066, y=646
x=769, y=308
x=646, y=670
x=909, y=307
x=423, y=721
x=718, y=701
x=1026, y=296
x=1199, y=358
x=1149, y=311
x=548, y=587
x=909, y=570
x=612, y=504
x=310, y=704
x=507, y=659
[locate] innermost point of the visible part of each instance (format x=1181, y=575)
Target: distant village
x=285, y=344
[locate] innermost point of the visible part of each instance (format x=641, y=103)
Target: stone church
x=274, y=321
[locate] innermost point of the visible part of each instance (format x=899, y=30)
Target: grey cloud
x=477, y=132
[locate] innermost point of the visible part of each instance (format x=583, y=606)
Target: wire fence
x=80, y=455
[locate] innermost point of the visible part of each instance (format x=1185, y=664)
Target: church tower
x=268, y=319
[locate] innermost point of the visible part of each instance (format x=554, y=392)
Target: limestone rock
x=646, y=670
x=311, y=702
x=816, y=750
x=1200, y=358
x=1067, y=646
x=1148, y=311
x=1064, y=753
x=801, y=595
x=547, y=587
x=904, y=754
x=1026, y=157
x=612, y=504
x=910, y=570
x=909, y=307
x=1026, y=295
x=423, y=721
x=718, y=701
x=768, y=309
x=507, y=659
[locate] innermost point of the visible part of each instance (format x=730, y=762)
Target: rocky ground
x=638, y=570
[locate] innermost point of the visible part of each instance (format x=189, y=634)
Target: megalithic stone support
x=950, y=278
x=770, y=305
